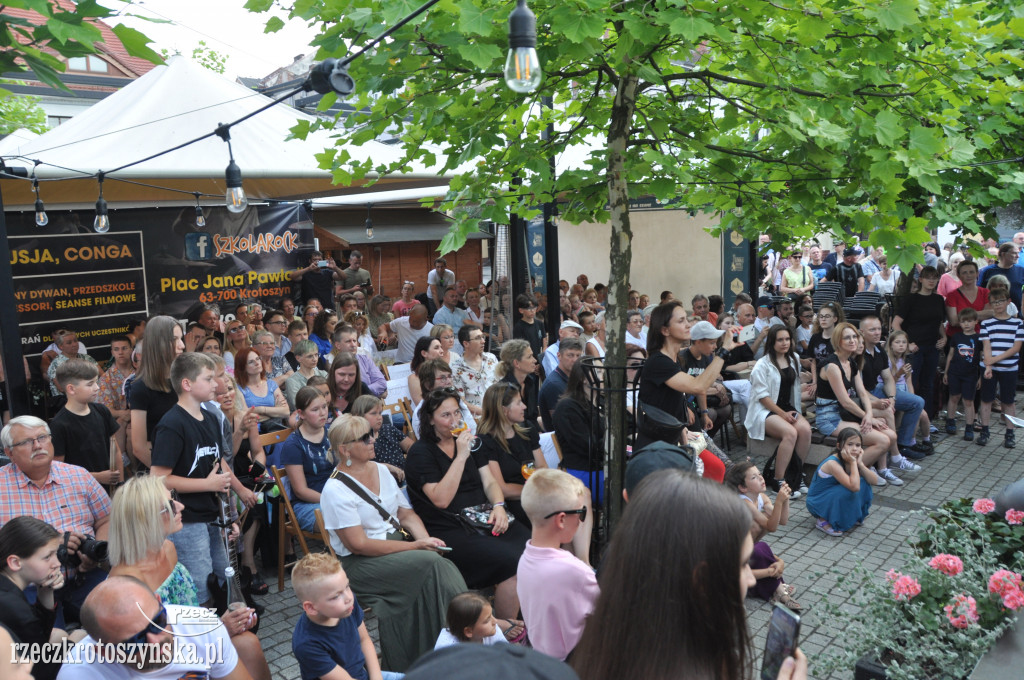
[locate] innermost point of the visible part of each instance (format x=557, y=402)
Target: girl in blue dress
x=838, y=498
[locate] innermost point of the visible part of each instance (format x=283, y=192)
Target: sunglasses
x=582, y=512
x=364, y=439
x=169, y=508
x=156, y=626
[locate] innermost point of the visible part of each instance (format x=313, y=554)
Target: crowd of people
x=120, y=494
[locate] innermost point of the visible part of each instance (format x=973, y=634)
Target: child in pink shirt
x=556, y=590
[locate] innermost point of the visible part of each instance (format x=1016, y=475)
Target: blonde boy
x=557, y=591
x=330, y=639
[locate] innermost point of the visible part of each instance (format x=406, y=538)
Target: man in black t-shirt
x=317, y=278
x=849, y=273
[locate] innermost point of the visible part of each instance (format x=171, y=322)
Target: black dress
x=483, y=559
x=511, y=462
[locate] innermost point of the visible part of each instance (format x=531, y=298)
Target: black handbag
x=657, y=424
x=794, y=471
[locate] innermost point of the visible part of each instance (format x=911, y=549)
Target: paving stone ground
x=958, y=469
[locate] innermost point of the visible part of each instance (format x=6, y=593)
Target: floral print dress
x=470, y=382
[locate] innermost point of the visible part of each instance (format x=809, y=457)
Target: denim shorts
x=305, y=514
x=201, y=549
x=826, y=416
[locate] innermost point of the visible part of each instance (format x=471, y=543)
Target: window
x=54, y=121
x=89, y=64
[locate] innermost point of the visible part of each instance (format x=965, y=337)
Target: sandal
x=783, y=597
x=823, y=526
x=790, y=588
x=257, y=586
x=516, y=632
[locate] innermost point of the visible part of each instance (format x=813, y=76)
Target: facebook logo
x=198, y=246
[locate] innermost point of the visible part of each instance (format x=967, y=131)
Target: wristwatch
x=722, y=353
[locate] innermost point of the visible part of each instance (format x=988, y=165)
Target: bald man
x=170, y=641
x=409, y=329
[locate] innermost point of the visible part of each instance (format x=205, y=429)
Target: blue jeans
x=201, y=549
x=911, y=406
x=305, y=514
x=391, y=675
x=925, y=362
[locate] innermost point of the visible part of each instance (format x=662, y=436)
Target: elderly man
x=849, y=273
x=1006, y=266
x=451, y=315
x=209, y=318
x=1018, y=240
x=568, y=329
x=821, y=269
x=132, y=635
x=64, y=496
x=702, y=308
x=409, y=329
x=275, y=365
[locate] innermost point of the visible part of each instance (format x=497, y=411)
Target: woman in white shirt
x=404, y=579
x=884, y=280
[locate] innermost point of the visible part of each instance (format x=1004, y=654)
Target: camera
x=90, y=547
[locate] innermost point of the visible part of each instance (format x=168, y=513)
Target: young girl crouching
x=470, y=619
x=747, y=481
x=839, y=499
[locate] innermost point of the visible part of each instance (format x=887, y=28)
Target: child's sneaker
x=983, y=436
x=950, y=425
x=890, y=476
x=1009, y=439
x=907, y=465
x=969, y=432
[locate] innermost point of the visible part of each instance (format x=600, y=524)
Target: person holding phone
x=688, y=576
x=407, y=583
x=317, y=278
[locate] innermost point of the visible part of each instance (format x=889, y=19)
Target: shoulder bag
x=361, y=492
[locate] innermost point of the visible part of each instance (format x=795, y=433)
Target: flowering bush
x=936, y=615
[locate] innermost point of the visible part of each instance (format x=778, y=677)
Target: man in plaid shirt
x=64, y=496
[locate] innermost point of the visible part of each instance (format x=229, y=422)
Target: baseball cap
x=569, y=323
x=652, y=458
x=849, y=251
x=765, y=301
x=704, y=330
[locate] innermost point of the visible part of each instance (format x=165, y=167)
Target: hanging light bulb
x=101, y=223
x=234, y=197
x=522, y=68
x=738, y=210
x=932, y=201
x=41, y=219
x=200, y=218
x=369, y=222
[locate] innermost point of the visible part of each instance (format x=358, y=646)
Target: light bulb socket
x=101, y=206
x=233, y=175
x=330, y=75
x=40, y=208
x=522, y=27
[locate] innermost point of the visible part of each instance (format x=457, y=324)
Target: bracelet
x=499, y=505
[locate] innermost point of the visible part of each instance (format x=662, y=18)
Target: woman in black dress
x=445, y=476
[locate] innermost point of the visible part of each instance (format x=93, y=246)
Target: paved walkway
x=957, y=469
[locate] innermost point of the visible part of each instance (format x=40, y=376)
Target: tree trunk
x=618, y=288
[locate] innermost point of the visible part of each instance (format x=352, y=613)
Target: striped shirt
x=1001, y=334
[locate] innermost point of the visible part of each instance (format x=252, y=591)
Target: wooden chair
x=406, y=404
x=288, y=526
x=323, y=532
x=395, y=410
x=384, y=371
x=273, y=438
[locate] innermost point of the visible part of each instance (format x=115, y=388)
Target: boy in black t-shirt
x=186, y=450
x=963, y=369
x=82, y=431
x=527, y=327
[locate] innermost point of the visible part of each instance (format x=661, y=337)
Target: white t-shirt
x=197, y=636
x=407, y=337
x=446, y=639
x=881, y=285
x=434, y=280
x=342, y=508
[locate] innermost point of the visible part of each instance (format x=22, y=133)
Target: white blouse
x=342, y=508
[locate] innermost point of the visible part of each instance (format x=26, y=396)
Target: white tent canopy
x=169, y=106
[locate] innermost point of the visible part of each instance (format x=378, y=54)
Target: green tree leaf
x=136, y=43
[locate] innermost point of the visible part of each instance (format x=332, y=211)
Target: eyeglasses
x=364, y=439
x=274, y=323
x=239, y=329
x=157, y=625
x=582, y=512
x=42, y=440
x=264, y=344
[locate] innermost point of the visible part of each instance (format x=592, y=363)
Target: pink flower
x=1013, y=599
x=1003, y=581
x=984, y=505
x=962, y=612
x=904, y=588
x=950, y=565
x=1015, y=516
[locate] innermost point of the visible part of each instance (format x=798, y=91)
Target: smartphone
x=783, y=631
x=442, y=548
x=323, y=264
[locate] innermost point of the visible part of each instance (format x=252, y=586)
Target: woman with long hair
x=345, y=380
x=407, y=583
x=774, y=408
x=377, y=315
x=236, y=338
x=427, y=347
x=389, y=444
x=151, y=395
x=580, y=432
x=306, y=456
x=920, y=316
x=260, y=392
x=518, y=367
x=309, y=313
x=323, y=329
x=144, y=512
x=446, y=477
x=686, y=579
x=511, y=445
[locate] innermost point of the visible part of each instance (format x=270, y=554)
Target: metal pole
x=518, y=272
x=10, y=333
x=553, y=319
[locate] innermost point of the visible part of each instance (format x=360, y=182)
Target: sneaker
x=968, y=433
x=803, y=490
x=1009, y=439
x=907, y=465
x=890, y=476
x=924, y=446
x=950, y=425
x=881, y=480
x=933, y=430
x=911, y=453
x=983, y=436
